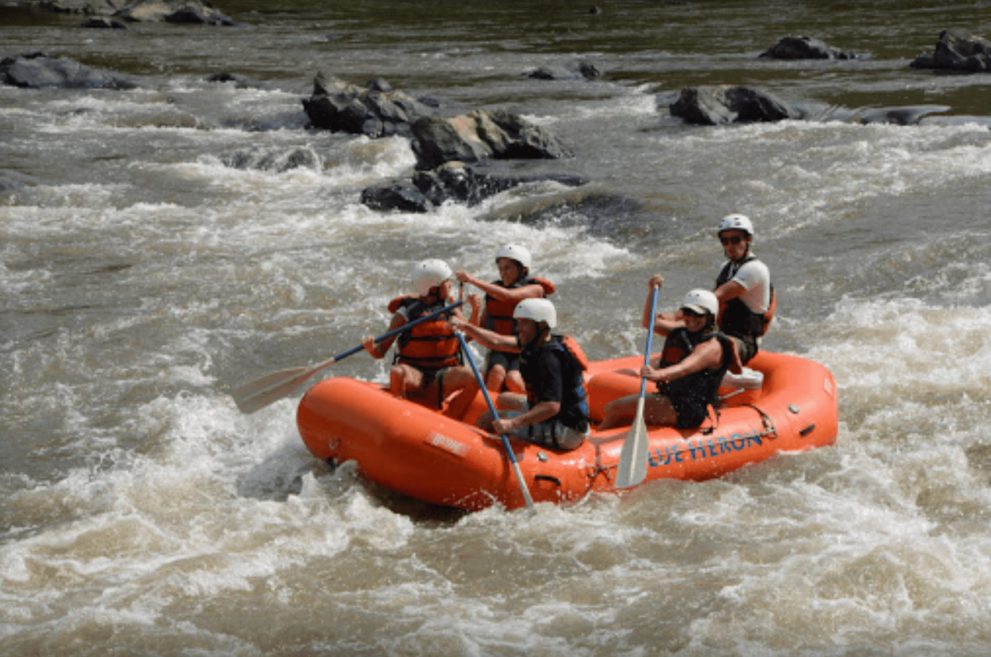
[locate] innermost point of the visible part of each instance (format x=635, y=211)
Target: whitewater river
x=156, y=251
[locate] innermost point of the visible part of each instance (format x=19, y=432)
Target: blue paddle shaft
x=650, y=339
x=485, y=393
x=396, y=331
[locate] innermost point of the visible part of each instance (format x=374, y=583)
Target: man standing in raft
x=554, y=410
x=690, y=368
x=743, y=287
x=427, y=366
x=501, y=296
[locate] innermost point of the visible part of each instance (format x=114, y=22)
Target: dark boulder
x=401, y=196
x=803, y=47
x=479, y=135
x=459, y=182
x=37, y=71
x=375, y=111
x=957, y=50
x=720, y=105
x=451, y=181
x=577, y=71
x=239, y=81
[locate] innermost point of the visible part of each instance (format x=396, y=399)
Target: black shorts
x=509, y=361
x=690, y=413
x=746, y=349
x=434, y=374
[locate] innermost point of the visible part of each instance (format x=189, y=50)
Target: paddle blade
x=633, y=459
x=270, y=388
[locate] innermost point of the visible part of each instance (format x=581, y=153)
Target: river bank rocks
x=451, y=181
x=39, y=71
x=725, y=104
x=444, y=145
x=803, y=47
x=169, y=11
x=957, y=50
x=377, y=110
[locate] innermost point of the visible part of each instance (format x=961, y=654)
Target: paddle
x=495, y=416
x=261, y=392
x=633, y=458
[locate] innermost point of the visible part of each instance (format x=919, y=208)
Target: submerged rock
x=724, y=104
x=581, y=70
x=957, y=50
x=37, y=71
x=803, y=47
x=451, y=181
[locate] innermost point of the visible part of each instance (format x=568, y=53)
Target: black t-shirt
x=542, y=374
x=547, y=379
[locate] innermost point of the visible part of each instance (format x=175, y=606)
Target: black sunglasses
x=736, y=239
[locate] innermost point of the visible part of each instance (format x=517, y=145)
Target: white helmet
x=539, y=310
x=429, y=274
x=515, y=252
x=736, y=222
x=701, y=301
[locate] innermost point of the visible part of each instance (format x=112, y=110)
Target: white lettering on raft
x=696, y=449
x=447, y=444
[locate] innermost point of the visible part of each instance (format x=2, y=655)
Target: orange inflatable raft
x=782, y=403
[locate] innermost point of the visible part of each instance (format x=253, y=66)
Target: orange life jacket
x=428, y=345
x=499, y=312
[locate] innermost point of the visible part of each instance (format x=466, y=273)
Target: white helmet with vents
x=430, y=274
x=539, y=310
x=700, y=302
x=515, y=252
x=736, y=222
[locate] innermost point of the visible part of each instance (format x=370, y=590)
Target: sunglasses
x=736, y=239
x=688, y=312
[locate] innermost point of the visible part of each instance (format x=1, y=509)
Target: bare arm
x=487, y=338
x=532, y=291
x=382, y=348
x=544, y=410
x=705, y=356
x=664, y=323
x=729, y=290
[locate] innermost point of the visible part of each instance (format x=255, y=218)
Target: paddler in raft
x=427, y=366
x=502, y=368
x=554, y=410
x=743, y=287
x=689, y=369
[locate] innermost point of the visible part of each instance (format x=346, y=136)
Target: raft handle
x=552, y=479
x=807, y=430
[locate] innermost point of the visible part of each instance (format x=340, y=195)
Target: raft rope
x=770, y=431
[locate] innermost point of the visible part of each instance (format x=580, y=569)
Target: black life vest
x=499, y=312
x=428, y=345
x=700, y=387
x=735, y=317
x=574, y=402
